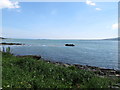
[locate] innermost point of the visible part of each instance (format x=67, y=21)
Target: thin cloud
x=88, y=2
x=98, y=9
x=115, y=26
x=8, y=4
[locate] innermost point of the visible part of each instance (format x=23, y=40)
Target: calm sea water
x=100, y=53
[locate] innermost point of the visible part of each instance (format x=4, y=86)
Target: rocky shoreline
x=97, y=70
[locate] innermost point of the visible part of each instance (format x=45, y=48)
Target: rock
x=101, y=73
x=11, y=43
x=113, y=72
x=69, y=45
x=66, y=65
x=118, y=72
x=117, y=75
x=32, y=56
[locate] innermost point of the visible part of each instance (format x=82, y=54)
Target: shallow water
x=100, y=53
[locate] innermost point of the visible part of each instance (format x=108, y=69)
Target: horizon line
x=66, y=38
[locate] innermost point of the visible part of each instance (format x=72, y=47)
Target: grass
x=26, y=72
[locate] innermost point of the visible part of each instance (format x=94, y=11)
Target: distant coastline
x=118, y=38
x=2, y=38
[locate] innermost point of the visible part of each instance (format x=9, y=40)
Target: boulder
x=32, y=56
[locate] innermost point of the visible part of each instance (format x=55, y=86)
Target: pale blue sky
x=68, y=20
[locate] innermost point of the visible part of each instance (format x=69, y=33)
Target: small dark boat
x=69, y=45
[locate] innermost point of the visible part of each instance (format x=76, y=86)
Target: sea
x=99, y=53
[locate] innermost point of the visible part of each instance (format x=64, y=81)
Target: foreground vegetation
x=27, y=72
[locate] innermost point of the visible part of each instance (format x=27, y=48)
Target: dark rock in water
x=32, y=56
x=11, y=43
x=69, y=45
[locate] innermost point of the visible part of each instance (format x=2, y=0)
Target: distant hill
x=112, y=38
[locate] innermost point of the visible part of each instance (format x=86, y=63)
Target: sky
x=60, y=20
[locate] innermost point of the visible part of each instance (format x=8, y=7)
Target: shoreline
x=35, y=72
x=97, y=70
